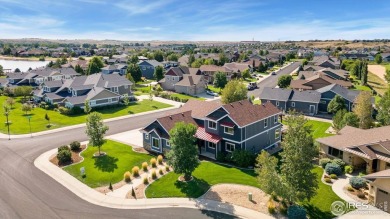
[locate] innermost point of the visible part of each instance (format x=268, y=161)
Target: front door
x=312, y=109
x=202, y=146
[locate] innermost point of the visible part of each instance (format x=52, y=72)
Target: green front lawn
x=319, y=128
x=20, y=123
x=319, y=205
x=214, y=89
x=206, y=175
x=110, y=168
x=184, y=96
x=141, y=90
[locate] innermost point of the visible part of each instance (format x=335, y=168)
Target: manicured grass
x=214, y=89
x=378, y=84
x=361, y=87
x=184, y=96
x=250, y=79
x=141, y=89
x=319, y=128
x=206, y=175
x=110, y=168
x=20, y=123
x=319, y=205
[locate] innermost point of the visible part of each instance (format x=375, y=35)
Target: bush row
x=241, y=158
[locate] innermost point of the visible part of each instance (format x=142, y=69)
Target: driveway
x=272, y=80
x=132, y=137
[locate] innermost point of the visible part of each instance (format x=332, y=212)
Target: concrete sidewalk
x=175, y=105
x=97, y=198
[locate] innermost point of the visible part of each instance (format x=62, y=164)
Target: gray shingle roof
x=306, y=96
x=345, y=93
x=275, y=94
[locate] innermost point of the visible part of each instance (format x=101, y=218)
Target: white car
x=209, y=92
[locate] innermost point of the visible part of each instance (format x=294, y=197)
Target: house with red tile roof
x=220, y=128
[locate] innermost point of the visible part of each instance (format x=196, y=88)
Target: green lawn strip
x=206, y=175
x=184, y=96
x=214, y=89
x=110, y=168
x=319, y=128
x=378, y=84
x=20, y=123
x=142, y=89
x=250, y=80
x=319, y=205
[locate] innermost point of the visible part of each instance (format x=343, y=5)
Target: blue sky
x=214, y=20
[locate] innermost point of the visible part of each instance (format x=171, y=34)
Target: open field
x=378, y=84
x=378, y=70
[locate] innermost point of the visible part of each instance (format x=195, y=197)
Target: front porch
x=208, y=143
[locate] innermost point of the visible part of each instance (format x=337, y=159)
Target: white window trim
x=226, y=127
x=228, y=143
x=146, y=136
x=151, y=145
x=276, y=119
x=93, y=102
x=265, y=123
x=277, y=103
x=208, y=124
x=292, y=104
x=277, y=130
x=167, y=143
x=208, y=145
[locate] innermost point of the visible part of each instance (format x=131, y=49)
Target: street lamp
x=29, y=123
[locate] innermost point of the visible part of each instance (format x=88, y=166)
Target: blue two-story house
x=220, y=128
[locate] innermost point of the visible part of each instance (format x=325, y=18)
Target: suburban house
x=325, y=62
x=115, y=68
x=220, y=128
x=306, y=102
x=354, y=56
x=379, y=189
x=316, y=80
x=100, y=89
x=209, y=70
x=82, y=63
x=238, y=68
x=386, y=57
x=312, y=68
x=367, y=150
x=330, y=91
x=38, y=76
x=3, y=83
x=336, y=74
x=147, y=67
x=184, y=80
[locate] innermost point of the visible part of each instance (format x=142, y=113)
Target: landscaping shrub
x=333, y=176
x=145, y=180
x=75, y=146
x=339, y=162
x=271, y=206
x=332, y=168
x=348, y=169
x=361, y=195
x=283, y=207
x=296, y=212
x=167, y=168
x=63, y=148
x=153, y=162
x=126, y=176
x=145, y=166
x=160, y=159
x=324, y=161
x=154, y=174
x=64, y=110
x=349, y=188
x=357, y=182
x=135, y=171
x=64, y=156
x=328, y=180
x=161, y=172
x=76, y=110
x=326, y=176
x=221, y=156
x=243, y=158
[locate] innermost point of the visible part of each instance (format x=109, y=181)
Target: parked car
x=252, y=85
x=273, y=73
x=209, y=92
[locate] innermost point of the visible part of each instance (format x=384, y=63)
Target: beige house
x=379, y=193
x=184, y=80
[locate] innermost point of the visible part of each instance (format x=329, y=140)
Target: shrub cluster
x=357, y=182
x=324, y=161
x=64, y=155
x=361, y=195
x=332, y=168
x=145, y=166
x=75, y=146
x=328, y=180
x=339, y=162
x=333, y=176
x=348, y=169
x=153, y=162
x=160, y=159
x=349, y=188
x=161, y=172
x=243, y=158
x=146, y=180
x=167, y=168
x=296, y=212
x=154, y=174
x=126, y=176
x=271, y=206
x=135, y=171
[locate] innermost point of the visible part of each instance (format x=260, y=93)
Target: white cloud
x=142, y=7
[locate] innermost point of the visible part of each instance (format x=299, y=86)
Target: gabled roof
x=305, y=84
x=57, y=83
x=377, y=175
x=213, y=68
x=168, y=122
x=244, y=112
x=315, y=67
x=306, y=96
x=190, y=80
x=344, y=92
x=199, y=109
x=279, y=94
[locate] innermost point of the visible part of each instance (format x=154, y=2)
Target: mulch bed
x=75, y=157
x=353, y=194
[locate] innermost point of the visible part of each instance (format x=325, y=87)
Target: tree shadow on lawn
x=106, y=163
x=194, y=188
x=315, y=212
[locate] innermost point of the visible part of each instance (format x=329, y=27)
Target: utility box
x=250, y=196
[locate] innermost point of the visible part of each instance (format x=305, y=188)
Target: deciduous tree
x=234, y=91
x=183, y=156
x=95, y=65
x=336, y=104
x=10, y=101
x=384, y=109
x=96, y=130
x=26, y=108
x=363, y=109
x=378, y=58
x=284, y=81
x=158, y=73
x=135, y=72
x=87, y=107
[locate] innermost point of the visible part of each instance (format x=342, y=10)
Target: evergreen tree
x=158, y=73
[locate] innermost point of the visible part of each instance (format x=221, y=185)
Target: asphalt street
x=272, y=80
x=26, y=192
